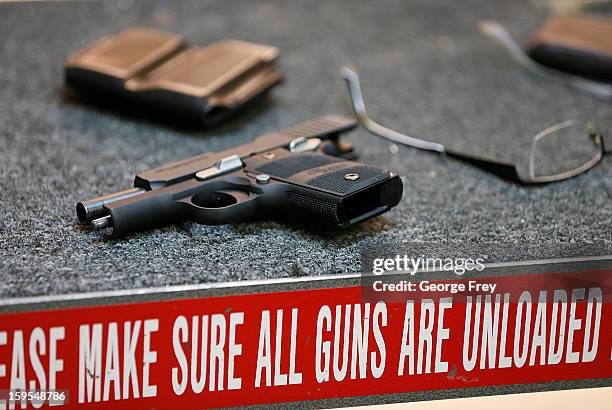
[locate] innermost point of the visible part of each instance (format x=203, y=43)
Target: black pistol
x=303, y=171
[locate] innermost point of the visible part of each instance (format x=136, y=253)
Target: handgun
x=304, y=173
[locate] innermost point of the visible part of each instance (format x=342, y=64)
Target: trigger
x=219, y=199
x=238, y=195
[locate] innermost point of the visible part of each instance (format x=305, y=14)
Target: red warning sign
x=306, y=345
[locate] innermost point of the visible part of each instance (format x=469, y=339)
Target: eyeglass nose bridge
x=606, y=142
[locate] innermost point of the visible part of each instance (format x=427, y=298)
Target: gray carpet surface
x=425, y=69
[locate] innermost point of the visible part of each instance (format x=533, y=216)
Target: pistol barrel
x=92, y=209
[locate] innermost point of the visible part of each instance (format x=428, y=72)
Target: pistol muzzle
x=87, y=211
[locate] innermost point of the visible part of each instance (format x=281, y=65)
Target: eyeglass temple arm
x=352, y=80
x=502, y=169
x=498, y=33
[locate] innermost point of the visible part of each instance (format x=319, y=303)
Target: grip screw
x=351, y=177
x=269, y=155
x=262, y=179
